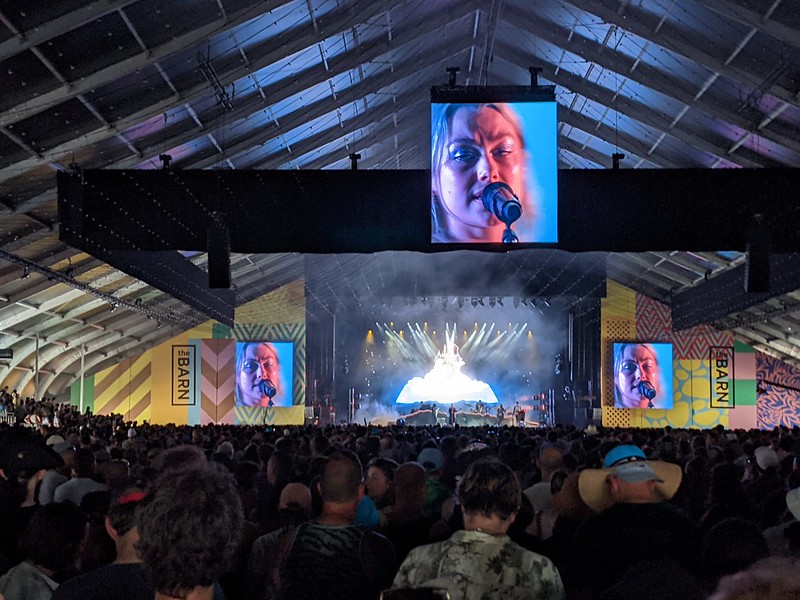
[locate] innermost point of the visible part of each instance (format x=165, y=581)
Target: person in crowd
x=295, y=504
x=432, y=459
x=726, y=496
x=125, y=578
x=635, y=368
x=23, y=464
x=769, y=579
x=550, y=460
x=407, y=526
x=744, y=546
x=473, y=146
x=778, y=538
x=82, y=481
x=380, y=474
x=53, y=478
x=633, y=523
x=762, y=477
x=280, y=468
x=307, y=561
x=481, y=561
x=256, y=364
x=49, y=548
x=189, y=531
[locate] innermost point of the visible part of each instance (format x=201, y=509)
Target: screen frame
x=285, y=350
x=547, y=231
x=666, y=378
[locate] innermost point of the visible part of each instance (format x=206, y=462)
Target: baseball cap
x=55, y=439
x=766, y=457
x=431, y=458
x=630, y=464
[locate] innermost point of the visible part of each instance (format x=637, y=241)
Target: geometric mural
x=191, y=377
x=629, y=316
x=124, y=389
x=696, y=342
x=653, y=320
x=217, y=380
x=778, y=393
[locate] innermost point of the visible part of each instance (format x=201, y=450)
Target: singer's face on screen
x=638, y=363
x=260, y=362
x=483, y=147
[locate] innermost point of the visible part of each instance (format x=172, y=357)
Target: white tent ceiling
x=254, y=84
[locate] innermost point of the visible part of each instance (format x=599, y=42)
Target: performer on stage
x=452, y=414
x=518, y=412
x=501, y=414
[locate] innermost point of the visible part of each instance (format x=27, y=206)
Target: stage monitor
x=264, y=373
x=643, y=375
x=494, y=165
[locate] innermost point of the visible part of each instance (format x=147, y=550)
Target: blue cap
x=630, y=464
x=625, y=453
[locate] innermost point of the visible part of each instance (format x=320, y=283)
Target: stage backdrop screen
x=494, y=162
x=643, y=375
x=258, y=362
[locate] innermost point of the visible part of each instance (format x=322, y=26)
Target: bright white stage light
x=445, y=383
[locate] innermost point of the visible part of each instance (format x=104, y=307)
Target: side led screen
x=264, y=372
x=493, y=171
x=643, y=375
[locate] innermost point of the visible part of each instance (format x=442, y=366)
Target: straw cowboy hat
x=629, y=464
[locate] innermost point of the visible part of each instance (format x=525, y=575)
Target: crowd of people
x=98, y=507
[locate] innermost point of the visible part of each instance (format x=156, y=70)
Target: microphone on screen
x=499, y=199
x=647, y=390
x=267, y=388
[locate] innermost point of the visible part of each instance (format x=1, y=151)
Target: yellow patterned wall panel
x=287, y=304
x=619, y=303
x=110, y=389
x=251, y=415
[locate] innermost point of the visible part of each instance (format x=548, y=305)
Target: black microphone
x=500, y=200
x=647, y=390
x=267, y=388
